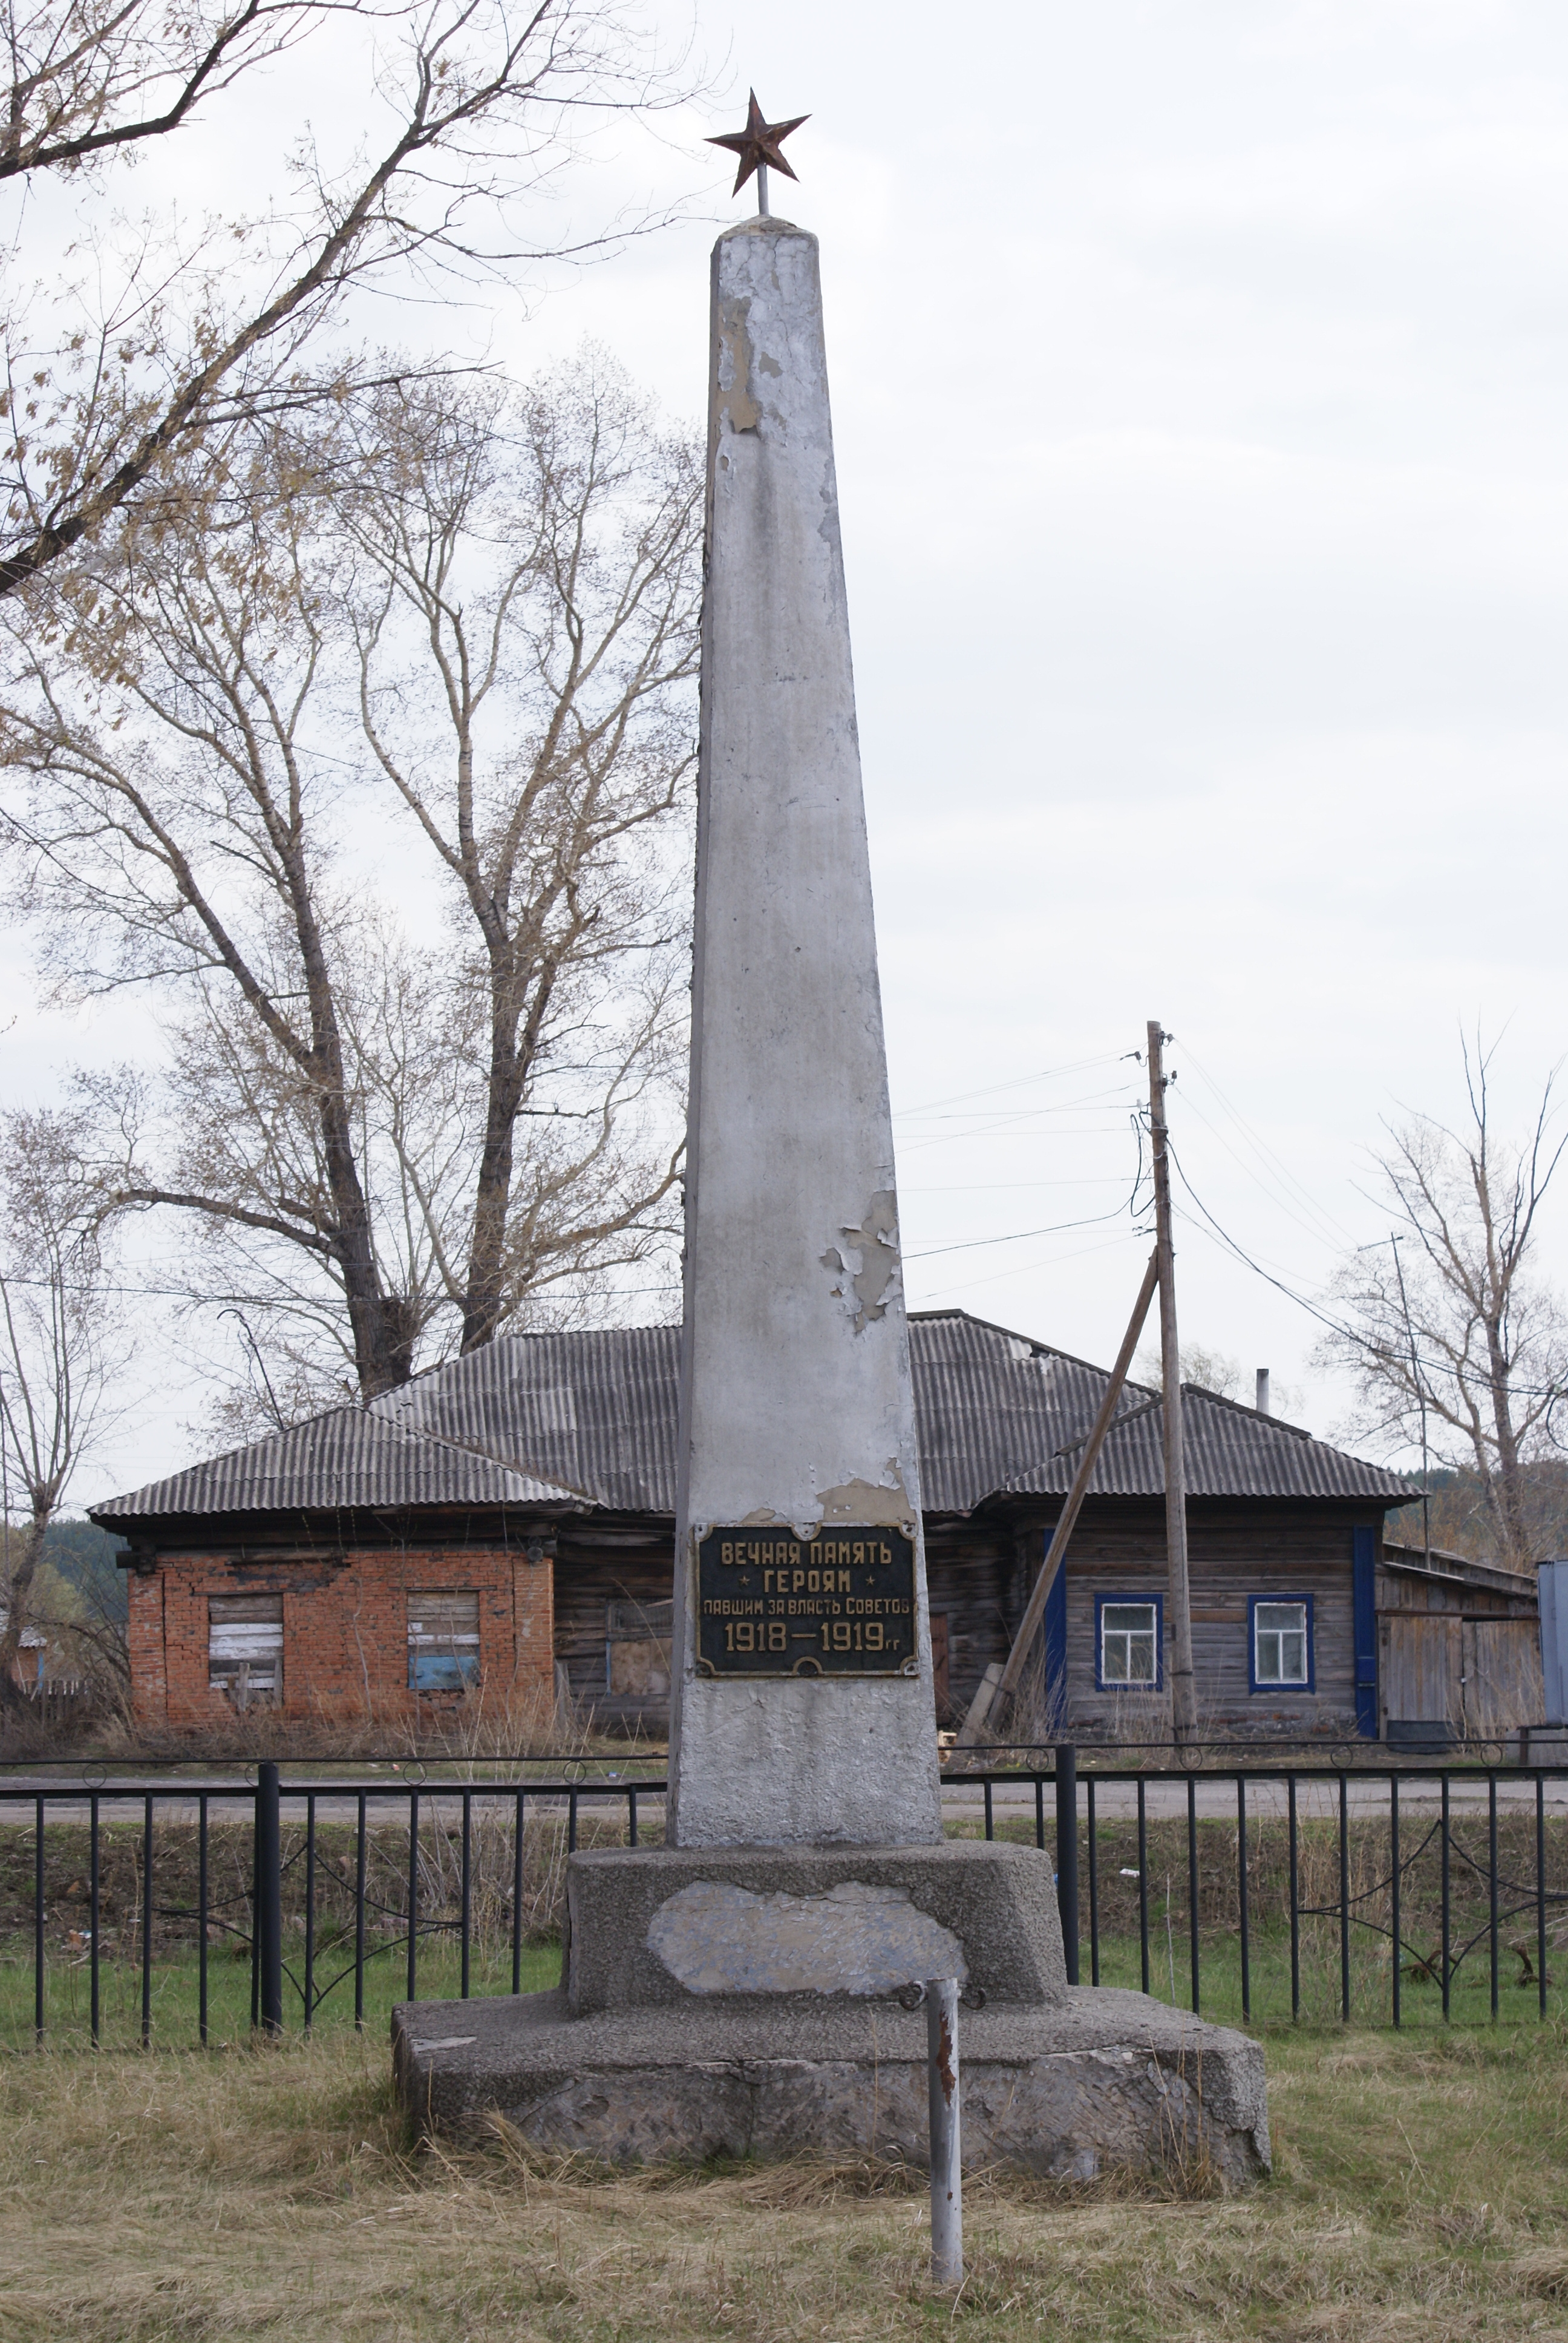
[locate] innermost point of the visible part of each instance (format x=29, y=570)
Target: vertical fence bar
x=147, y=1921
x=1295, y=1899
x=631, y=1815
x=94, y=1884
x=1395, y=1888
x=1241, y=1886
x=1039, y=1812
x=1541, y=1890
x=38, y=1920
x=1093, y=1889
x=413, y=1894
x=990, y=1817
x=269, y=1897
x=204, y=1907
x=360, y=1854
x=255, y=1925
x=310, y=1909
x=467, y=1920
x=1143, y=1881
x=518, y=1889
x=1447, y=1903
x=1192, y=1881
x=1066, y=1853
x=1344, y=1899
x=571, y=1822
x=1492, y=1875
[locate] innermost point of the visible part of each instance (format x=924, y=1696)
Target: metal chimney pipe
x=1261, y=1402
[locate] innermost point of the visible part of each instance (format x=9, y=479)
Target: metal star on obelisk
x=759, y=146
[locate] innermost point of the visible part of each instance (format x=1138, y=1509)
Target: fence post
x=268, y=1900
x=1067, y=1855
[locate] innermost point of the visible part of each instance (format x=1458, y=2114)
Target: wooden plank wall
x=596, y=1566
x=1230, y=1557
x=979, y=1571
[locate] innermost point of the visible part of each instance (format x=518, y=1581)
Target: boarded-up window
x=637, y=1650
x=244, y=1647
x=443, y=1642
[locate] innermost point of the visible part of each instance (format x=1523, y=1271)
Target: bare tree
x=57, y=1329
x=574, y=651
x=1451, y=1331
x=342, y=1110
x=124, y=400
x=90, y=78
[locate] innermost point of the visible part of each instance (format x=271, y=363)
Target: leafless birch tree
x=455, y=634
x=1483, y=1349
x=58, y=1324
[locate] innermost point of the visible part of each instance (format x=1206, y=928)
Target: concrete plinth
x=656, y=1927
x=740, y=2002
x=1098, y=2079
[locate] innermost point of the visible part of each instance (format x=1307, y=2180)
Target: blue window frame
x=1280, y=1656
x=1130, y=1643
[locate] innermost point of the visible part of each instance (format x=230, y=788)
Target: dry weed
x=181, y=2198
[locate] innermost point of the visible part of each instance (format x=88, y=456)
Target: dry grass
x=172, y=2199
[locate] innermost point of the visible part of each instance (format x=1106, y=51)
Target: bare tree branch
x=1485, y=1351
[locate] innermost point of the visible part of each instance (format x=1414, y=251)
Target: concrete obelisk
x=737, y=1990
x=802, y=1697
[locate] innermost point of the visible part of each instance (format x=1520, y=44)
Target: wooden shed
x=1458, y=1648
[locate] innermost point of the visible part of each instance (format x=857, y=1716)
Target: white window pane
x=1280, y=1642
x=1127, y=1644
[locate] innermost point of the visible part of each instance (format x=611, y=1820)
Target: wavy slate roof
x=345, y=1459
x=588, y=1421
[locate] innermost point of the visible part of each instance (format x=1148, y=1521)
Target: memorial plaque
x=837, y=1605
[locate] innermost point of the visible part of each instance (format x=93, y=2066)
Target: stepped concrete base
x=741, y=2002
x=649, y=1927
x=1100, y=2078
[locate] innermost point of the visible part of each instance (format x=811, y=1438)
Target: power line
x=1051, y=1261
x=1347, y=1333
x=1339, y=1234
x=1018, y=1236
x=1015, y=1081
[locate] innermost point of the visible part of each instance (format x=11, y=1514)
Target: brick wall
x=345, y=1627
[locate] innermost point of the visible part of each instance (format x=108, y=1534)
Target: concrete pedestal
x=740, y=2002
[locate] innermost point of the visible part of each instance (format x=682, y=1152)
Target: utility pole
x=1183, y=1698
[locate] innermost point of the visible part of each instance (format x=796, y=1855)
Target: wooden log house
x=504, y=1525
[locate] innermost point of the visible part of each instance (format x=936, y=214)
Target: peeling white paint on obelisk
x=797, y=1416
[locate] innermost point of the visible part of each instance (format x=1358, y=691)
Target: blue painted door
x=1364, y=1586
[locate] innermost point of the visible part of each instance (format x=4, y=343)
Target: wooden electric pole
x=1183, y=1700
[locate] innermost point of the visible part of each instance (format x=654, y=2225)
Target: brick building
x=506, y=1523
x=342, y=1569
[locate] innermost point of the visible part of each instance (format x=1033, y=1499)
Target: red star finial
x=758, y=145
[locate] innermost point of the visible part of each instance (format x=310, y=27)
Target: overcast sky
x=1199, y=388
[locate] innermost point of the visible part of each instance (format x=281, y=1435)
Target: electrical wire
x=1014, y=1083
x=1339, y=1235
x=1348, y=1333
x=1018, y=1236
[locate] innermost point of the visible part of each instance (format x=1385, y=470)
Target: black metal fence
x=1326, y=1891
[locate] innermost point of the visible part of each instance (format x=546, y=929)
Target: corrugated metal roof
x=590, y=1419
x=345, y=1459
x=593, y=1412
